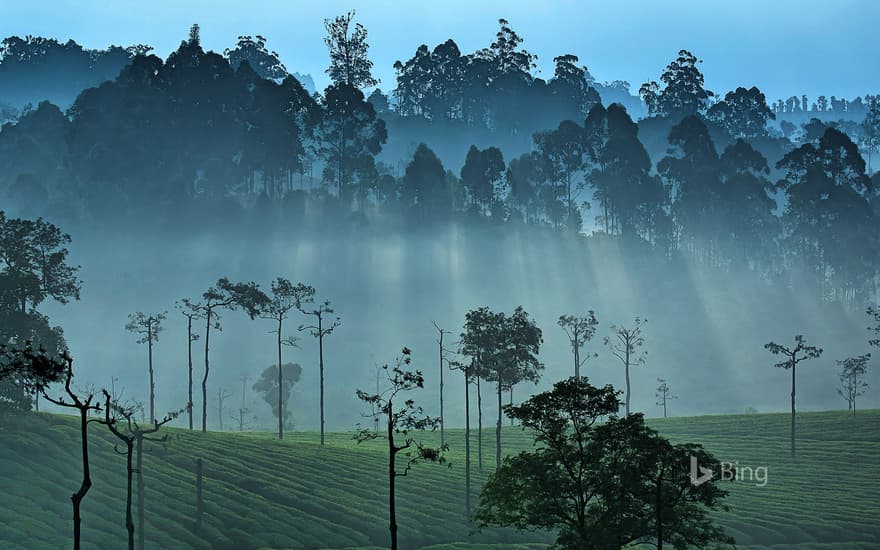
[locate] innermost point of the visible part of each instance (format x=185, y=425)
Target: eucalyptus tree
x=579, y=331
x=852, y=379
x=441, y=361
x=147, y=327
x=801, y=351
x=664, y=394
x=626, y=343
x=348, y=49
x=286, y=297
x=401, y=420
x=467, y=369
x=322, y=327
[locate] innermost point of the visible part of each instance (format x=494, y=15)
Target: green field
x=265, y=493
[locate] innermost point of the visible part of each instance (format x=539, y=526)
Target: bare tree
x=319, y=330
x=242, y=410
x=579, y=331
x=401, y=422
x=800, y=352
x=148, y=327
x=664, y=394
x=441, y=332
x=83, y=403
x=285, y=298
x=191, y=311
x=852, y=379
x=133, y=436
x=467, y=369
x=626, y=344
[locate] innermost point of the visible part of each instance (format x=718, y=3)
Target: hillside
x=262, y=493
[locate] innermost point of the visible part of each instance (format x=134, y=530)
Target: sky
x=785, y=47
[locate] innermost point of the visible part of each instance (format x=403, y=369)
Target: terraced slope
x=264, y=493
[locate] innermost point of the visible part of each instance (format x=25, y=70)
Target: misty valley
x=499, y=305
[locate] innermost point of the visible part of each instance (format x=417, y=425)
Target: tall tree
x=401, y=420
x=348, y=48
x=683, y=93
x=626, y=344
x=743, y=113
x=794, y=355
x=192, y=311
x=147, y=327
x=871, y=129
x=441, y=361
x=481, y=174
x=323, y=327
x=852, y=379
x=252, y=50
x=285, y=298
x=664, y=394
x=424, y=188
x=579, y=331
x=467, y=370
x=229, y=296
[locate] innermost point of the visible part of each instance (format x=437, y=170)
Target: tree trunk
x=190, y=369
x=77, y=497
x=140, y=487
x=498, y=430
x=626, y=366
x=658, y=507
x=467, y=444
x=793, y=368
x=479, y=427
x=150, y=366
x=511, y=404
x=280, y=386
x=207, y=369
x=129, y=521
x=442, y=434
x=392, y=511
x=321, y=369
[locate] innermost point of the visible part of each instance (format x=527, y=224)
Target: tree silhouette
x=579, y=331
x=269, y=382
x=348, y=48
x=322, y=327
x=190, y=310
x=286, y=297
x=664, y=394
x=800, y=352
x=626, y=344
x=401, y=420
x=852, y=379
x=147, y=327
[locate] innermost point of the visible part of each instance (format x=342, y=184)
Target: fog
x=705, y=332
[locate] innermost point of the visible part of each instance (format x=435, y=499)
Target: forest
x=451, y=279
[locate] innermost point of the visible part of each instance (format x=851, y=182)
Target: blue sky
x=785, y=47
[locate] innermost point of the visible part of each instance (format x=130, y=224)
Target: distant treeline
x=202, y=138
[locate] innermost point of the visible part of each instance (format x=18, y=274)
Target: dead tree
x=401, y=422
x=800, y=352
x=148, y=328
x=83, y=404
x=191, y=311
x=579, y=331
x=626, y=345
x=319, y=330
x=285, y=298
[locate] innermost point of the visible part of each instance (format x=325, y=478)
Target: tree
x=267, y=386
x=591, y=481
x=441, y=333
x=800, y=352
x=191, y=311
x=38, y=361
x=148, y=327
x=579, y=331
x=224, y=295
x=743, y=113
x=285, y=298
x=348, y=48
x=467, y=369
x=683, y=93
x=424, y=188
x=319, y=331
x=19, y=379
x=562, y=152
x=481, y=174
x=664, y=394
x=253, y=51
x=626, y=344
x=120, y=420
x=852, y=379
x=871, y=129
x=401, y=420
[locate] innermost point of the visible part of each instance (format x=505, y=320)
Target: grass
x=265, y=493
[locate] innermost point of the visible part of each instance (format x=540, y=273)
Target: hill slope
x=264, y=493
